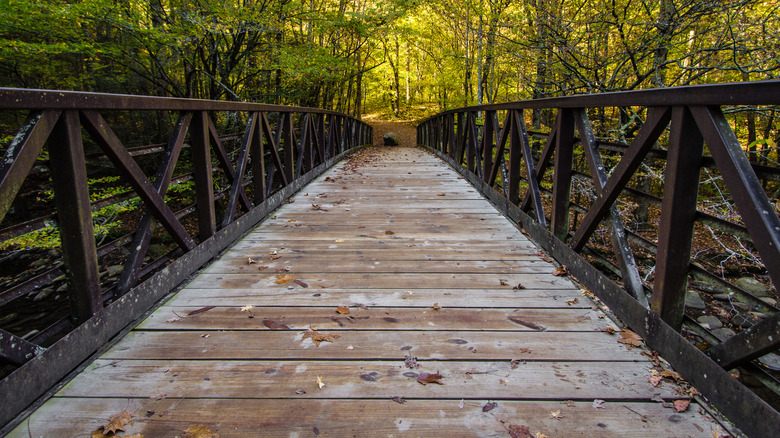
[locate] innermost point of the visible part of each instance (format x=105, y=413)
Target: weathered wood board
x=403, y=269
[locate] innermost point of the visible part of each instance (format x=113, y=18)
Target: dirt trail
x=407, y=133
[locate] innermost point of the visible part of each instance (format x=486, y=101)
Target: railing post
x=564, y=150
x=74, y=216
x=487, y=145
x=204, y=186
x=678, y=213
x=257, y=152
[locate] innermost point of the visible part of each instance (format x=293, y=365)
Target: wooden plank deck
x=426, y=267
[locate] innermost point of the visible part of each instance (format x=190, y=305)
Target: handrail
x=281, y=149
x=501, y=160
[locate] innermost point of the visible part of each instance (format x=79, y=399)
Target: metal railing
x=280, y=150
x=569, y=189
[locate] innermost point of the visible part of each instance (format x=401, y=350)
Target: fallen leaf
x=597, y=404
x=426, y=378
x=398, y=399
x=436, y=306
x=556, y=414
x=441, y=194
x=318, y=337
x=461, y=404
x=573, y=302
x=249, y=261
x=608, y=329
x=199, y=432
x=205, y=335
x=518, y=287
x=489, y=406
x=284, y=278
x=502, y=381
x=339, y=240
x=561, y=272
x=319, y=382
x=174, y=319
x=519, y=431
x=116, y=422
x=656, y=378
x=681, y=405
x=528, y=324
x=389, y=233
x=300, y=283
x=630, y=339
x=201, y=310
x=503, y=282
x=273, y=325
x=315, y=207
x=343, y=310
x=540, y=435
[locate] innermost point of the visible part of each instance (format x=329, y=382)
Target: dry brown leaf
x=503, y=282
x=389, y=233
x=199, y=432
x=489, y=406
x=608, y=329
x=573, y=302
x=436, y=306
x=300, y=283
x=201, y=310
x=284, y=278
x=273, y=325
x=249, y=261
x=519, y=431
x=343, y=310
x=561, y=271
x=681, y=405
x=441, y=194
x=426, y=378
x=630, y=339
x=116, y=422
x=318, y=337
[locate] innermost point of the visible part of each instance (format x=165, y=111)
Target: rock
x=709, y=321
x=694, y=301
x=743, y=321
x=770, y=301
x=8, y=318
x=723, y=333
x=38, y=263
x=115, y=270
x=156, y=251
x=722, y=297
x=62, y=288
x=754, y=286
x=741, y=306
x=45, y=292
x=771, y=361
x=390, y=139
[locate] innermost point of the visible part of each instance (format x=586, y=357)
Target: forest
x=390, y=56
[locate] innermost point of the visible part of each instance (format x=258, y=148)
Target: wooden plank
x=361, y=263
x=374, y=345
x=281, y=379
x=243, y=418
x=495, y=298
x=377, y=318
x=368, y=281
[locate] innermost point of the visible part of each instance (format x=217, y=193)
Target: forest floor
x=406, y=130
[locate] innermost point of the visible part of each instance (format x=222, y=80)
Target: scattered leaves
x=518, y=287
x=247, y=308
x=342, y=310
x=318, y=337
x=528, y=324
x=608, y=329
x=573, y=302
x=426, y=378
x=630, y=339
x=560, y=271
x=597, y=404
x=284, y=278
x=199, y=432
x=301, y=283
x=681, y=405
x=503, y=382
x=503, y=282
x=315, y=207
x=320, y=384
x=489, y=406
x=273, y=325
x=556, y=414
x=436, y=306
x=249, y=261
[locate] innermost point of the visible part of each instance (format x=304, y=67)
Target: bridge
x=313, y=285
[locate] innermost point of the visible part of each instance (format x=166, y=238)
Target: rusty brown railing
x=280, y=150
x=567, y=188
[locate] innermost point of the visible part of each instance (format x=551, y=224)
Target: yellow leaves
x=318, y=337
x=247, y=308
x=556, y=414
x=573, y=302
x=320, y=384
x=560, y=271
x=116, y=422
x=342, y=310
x=436, y=306
x=284, y=278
